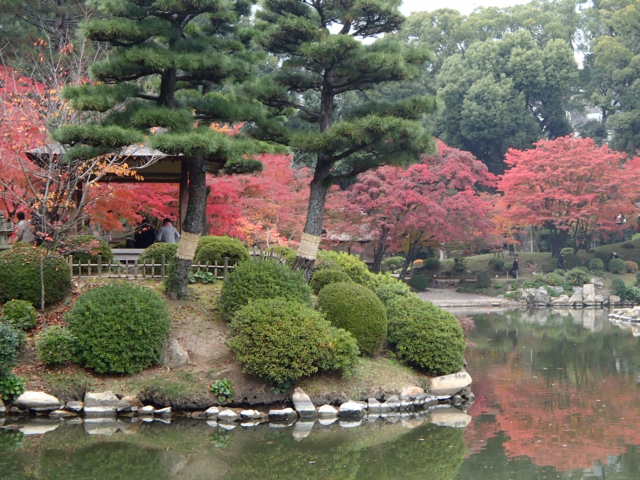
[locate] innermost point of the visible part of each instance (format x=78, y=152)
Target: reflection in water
x=556, y=394
x=555, y=391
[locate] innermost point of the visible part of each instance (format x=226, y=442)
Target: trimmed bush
x=19, y=314
x=120, y=328
x=459, y=265
x=56, y=345
x=419, y=282
x=567, y=251
x=387, y=288
x=358, y=310
x=595, y=265
x=555, y=279
x=282, y=340
x=392, y=264
x=349, y=264
x=265, y=278
x=11, y=341
x=618, y=287
x=213, y=250
x=432, y=264
x=496, y=264
x=617, y=265
x=87, y=248
x=327, y=276
x=631, y=266
x=577, y=277
x=426, y=336
x=20, y=275
x=484, y=280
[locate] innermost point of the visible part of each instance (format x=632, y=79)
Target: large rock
x=597, y=282
x=614, y=300
x=37, y=401
x=39, y=426
x=303, y=404
x=284, y=415
x=450, y=384
x=302, y=429
x=250, y=415
x=576, y=298
x=589, y=294
x=228, y=416
x=542, y=297
x=212, y=413
x=561, y=300
x=75, y=406
x=175, y=356
x=353, y=410
x=100, y=404
x=411, y=392
x=327, y=411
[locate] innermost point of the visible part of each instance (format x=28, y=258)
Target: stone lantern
x=6, y=228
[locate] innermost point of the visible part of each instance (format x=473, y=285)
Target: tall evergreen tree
x=173, y=65
x=333, y=55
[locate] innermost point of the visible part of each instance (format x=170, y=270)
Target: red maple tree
x=571, y=186
x=430, y=203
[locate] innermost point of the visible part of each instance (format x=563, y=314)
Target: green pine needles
x=334, y=57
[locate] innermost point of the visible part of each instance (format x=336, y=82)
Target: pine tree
x=334, y=55
x=174, y=65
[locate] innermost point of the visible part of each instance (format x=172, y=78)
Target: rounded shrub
x=595, y=265
x=358, y=310
x=265, y=278
x=11, y=341
x=56, y=345
x=483, y=280
x=214, y=250
x=577, y=277
x=87, y=248
x=496, y=264
x=392, y=264
x=20, y=275
x=555, y=279
x=426, y=336
x=327, y=276
x=120, y=328
x=19, y=314
x=154, y=253
x=631, y=266
x=618, y=287
x=349, y=264
x=432, y=264
x=11, y=387
x=281, y=341
x=387, y=287
x=419, y=282
x=617, y=265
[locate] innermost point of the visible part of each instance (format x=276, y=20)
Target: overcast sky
x=465, y=6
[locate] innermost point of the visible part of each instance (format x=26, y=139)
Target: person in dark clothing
x=144, y=236
x=515, y=268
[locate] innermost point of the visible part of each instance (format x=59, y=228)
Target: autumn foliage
x=569, y=185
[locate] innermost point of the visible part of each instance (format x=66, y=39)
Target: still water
x=557, y=398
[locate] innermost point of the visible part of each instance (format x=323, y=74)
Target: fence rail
x=99, y=267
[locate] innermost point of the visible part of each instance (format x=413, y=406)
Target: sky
x=465, y=6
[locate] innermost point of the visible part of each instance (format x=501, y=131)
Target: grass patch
x=183, y=390
x=68, y=386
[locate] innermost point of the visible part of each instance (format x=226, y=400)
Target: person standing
x=168, y=232
x=24, y=230
x=515, y=268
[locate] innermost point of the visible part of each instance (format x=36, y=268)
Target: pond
x=556, y=398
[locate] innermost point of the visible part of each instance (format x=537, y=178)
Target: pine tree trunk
x=307, y=254
x=178, y=280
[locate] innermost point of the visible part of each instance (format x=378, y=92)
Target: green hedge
x=11, y=341
x=56, y=345
x=87, y=248
x=155, y=252
x=358, y=310
x=214, y=250
x=419, y=282
x=324, y=277
x=120, y=328
x=426, y=336
x=281, y=341
x=20, y=314
x=392, y=264
x=20, y=275
x=264, y=278
x=596, y=265
x=387, y=287
x=617, y=265
x=350, y=264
